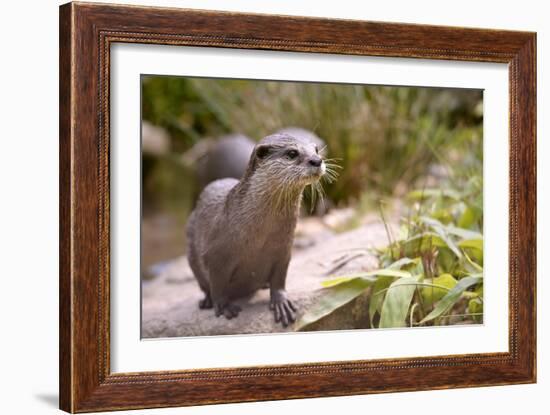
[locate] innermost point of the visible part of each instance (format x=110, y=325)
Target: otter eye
x=292, y=154
x=316, y=149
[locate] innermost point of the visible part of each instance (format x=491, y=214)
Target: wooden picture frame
x=86, y=33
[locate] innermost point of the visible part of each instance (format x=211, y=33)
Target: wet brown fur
x=241, y=232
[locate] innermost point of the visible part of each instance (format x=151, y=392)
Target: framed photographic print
x=260, y=207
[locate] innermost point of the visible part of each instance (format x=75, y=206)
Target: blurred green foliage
x=386, y=137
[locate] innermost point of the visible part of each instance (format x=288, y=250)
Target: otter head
x=286, y=160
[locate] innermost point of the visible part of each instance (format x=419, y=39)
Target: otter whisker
x=330, y=168
x=321, y=193
x=330, y=175
x=330, y=180
x=313, y=197
x=283, y=191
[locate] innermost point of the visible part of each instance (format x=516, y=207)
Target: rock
x=227, y=156
x=170, y=301
x=154, y=140
x=337, y=218
x=310, y=231
x=353, y=315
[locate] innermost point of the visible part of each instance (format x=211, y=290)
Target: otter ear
x=262, y=151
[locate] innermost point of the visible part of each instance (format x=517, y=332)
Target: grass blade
x=451, y=297
x=377, y=296
x=397, y=302
x=472, y=243
x=368, y=276
x=441, y=231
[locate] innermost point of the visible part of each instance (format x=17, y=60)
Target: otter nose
x=315, y=161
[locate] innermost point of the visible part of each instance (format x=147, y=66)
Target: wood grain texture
x=86, y=33
x=65, y=138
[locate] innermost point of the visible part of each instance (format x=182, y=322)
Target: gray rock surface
x=170, y=301
x=154, y=140
x=213, y=159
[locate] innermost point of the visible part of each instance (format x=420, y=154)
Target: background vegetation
x=387, y=137
x=418, y=149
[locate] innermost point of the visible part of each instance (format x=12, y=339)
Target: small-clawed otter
x=240, y=233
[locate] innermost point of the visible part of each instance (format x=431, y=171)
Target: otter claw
x=227, y=310
x=284, y=311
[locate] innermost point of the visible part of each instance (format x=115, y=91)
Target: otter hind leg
x=200, y=276
x=206, y=302
x=228, y=310
x=221, y=268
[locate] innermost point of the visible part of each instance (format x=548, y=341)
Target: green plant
x=432, y=274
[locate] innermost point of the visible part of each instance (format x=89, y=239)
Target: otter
x=240, y=233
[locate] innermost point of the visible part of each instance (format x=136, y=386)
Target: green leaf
x=333, y=298
x=397, y=302
x=451, y=229
x=472, y=243
x=368, y=276
x=475, y=307
x=428, y=193
x=416, y=245
x=338, y=280
x=463, y=233
x=377, y=296
x=467, y=218
x=473, y=248
x=470, y=263
x=431, y=295
x=412, y=265
x=446, y=261
x=452, y=297
x=478, y=275
x=400, y=263
x=441, y=231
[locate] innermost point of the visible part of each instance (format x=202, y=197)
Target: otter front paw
x=227, y=309
x=283, y=309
